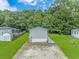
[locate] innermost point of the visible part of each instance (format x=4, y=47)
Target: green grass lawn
x=68, y=44
x=8, y=49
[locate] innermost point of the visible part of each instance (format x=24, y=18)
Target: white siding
x=5, y=35
x=38, y=35
x=75, y=33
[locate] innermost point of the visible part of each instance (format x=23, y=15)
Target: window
x=74, y=32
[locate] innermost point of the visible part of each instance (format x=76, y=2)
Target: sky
x=16, y=5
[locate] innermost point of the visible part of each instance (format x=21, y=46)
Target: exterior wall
x=38, y=35
x=75, y=33
x=5, y=35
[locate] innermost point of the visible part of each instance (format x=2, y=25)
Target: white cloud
x=26, y=1
x=42, y=3
x=41, y=0
x=30, y=2
x=44, y=7
x=4, y=5
x=12, y=8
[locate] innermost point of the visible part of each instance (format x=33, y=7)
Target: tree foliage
x=61, y=17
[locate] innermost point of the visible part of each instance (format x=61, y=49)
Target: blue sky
x=14, y=5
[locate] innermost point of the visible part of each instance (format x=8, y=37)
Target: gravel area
x=40, y=51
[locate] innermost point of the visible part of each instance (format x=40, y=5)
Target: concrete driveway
x=39, y=51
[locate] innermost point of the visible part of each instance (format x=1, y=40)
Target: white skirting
x=38, y=40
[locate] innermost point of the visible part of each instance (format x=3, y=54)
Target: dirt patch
x=40, y=51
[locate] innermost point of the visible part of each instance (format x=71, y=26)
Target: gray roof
x=3, y=28
x=75, y=29
x=38, y=28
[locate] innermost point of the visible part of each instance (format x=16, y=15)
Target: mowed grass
x=8, y=49
x=68, y=44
